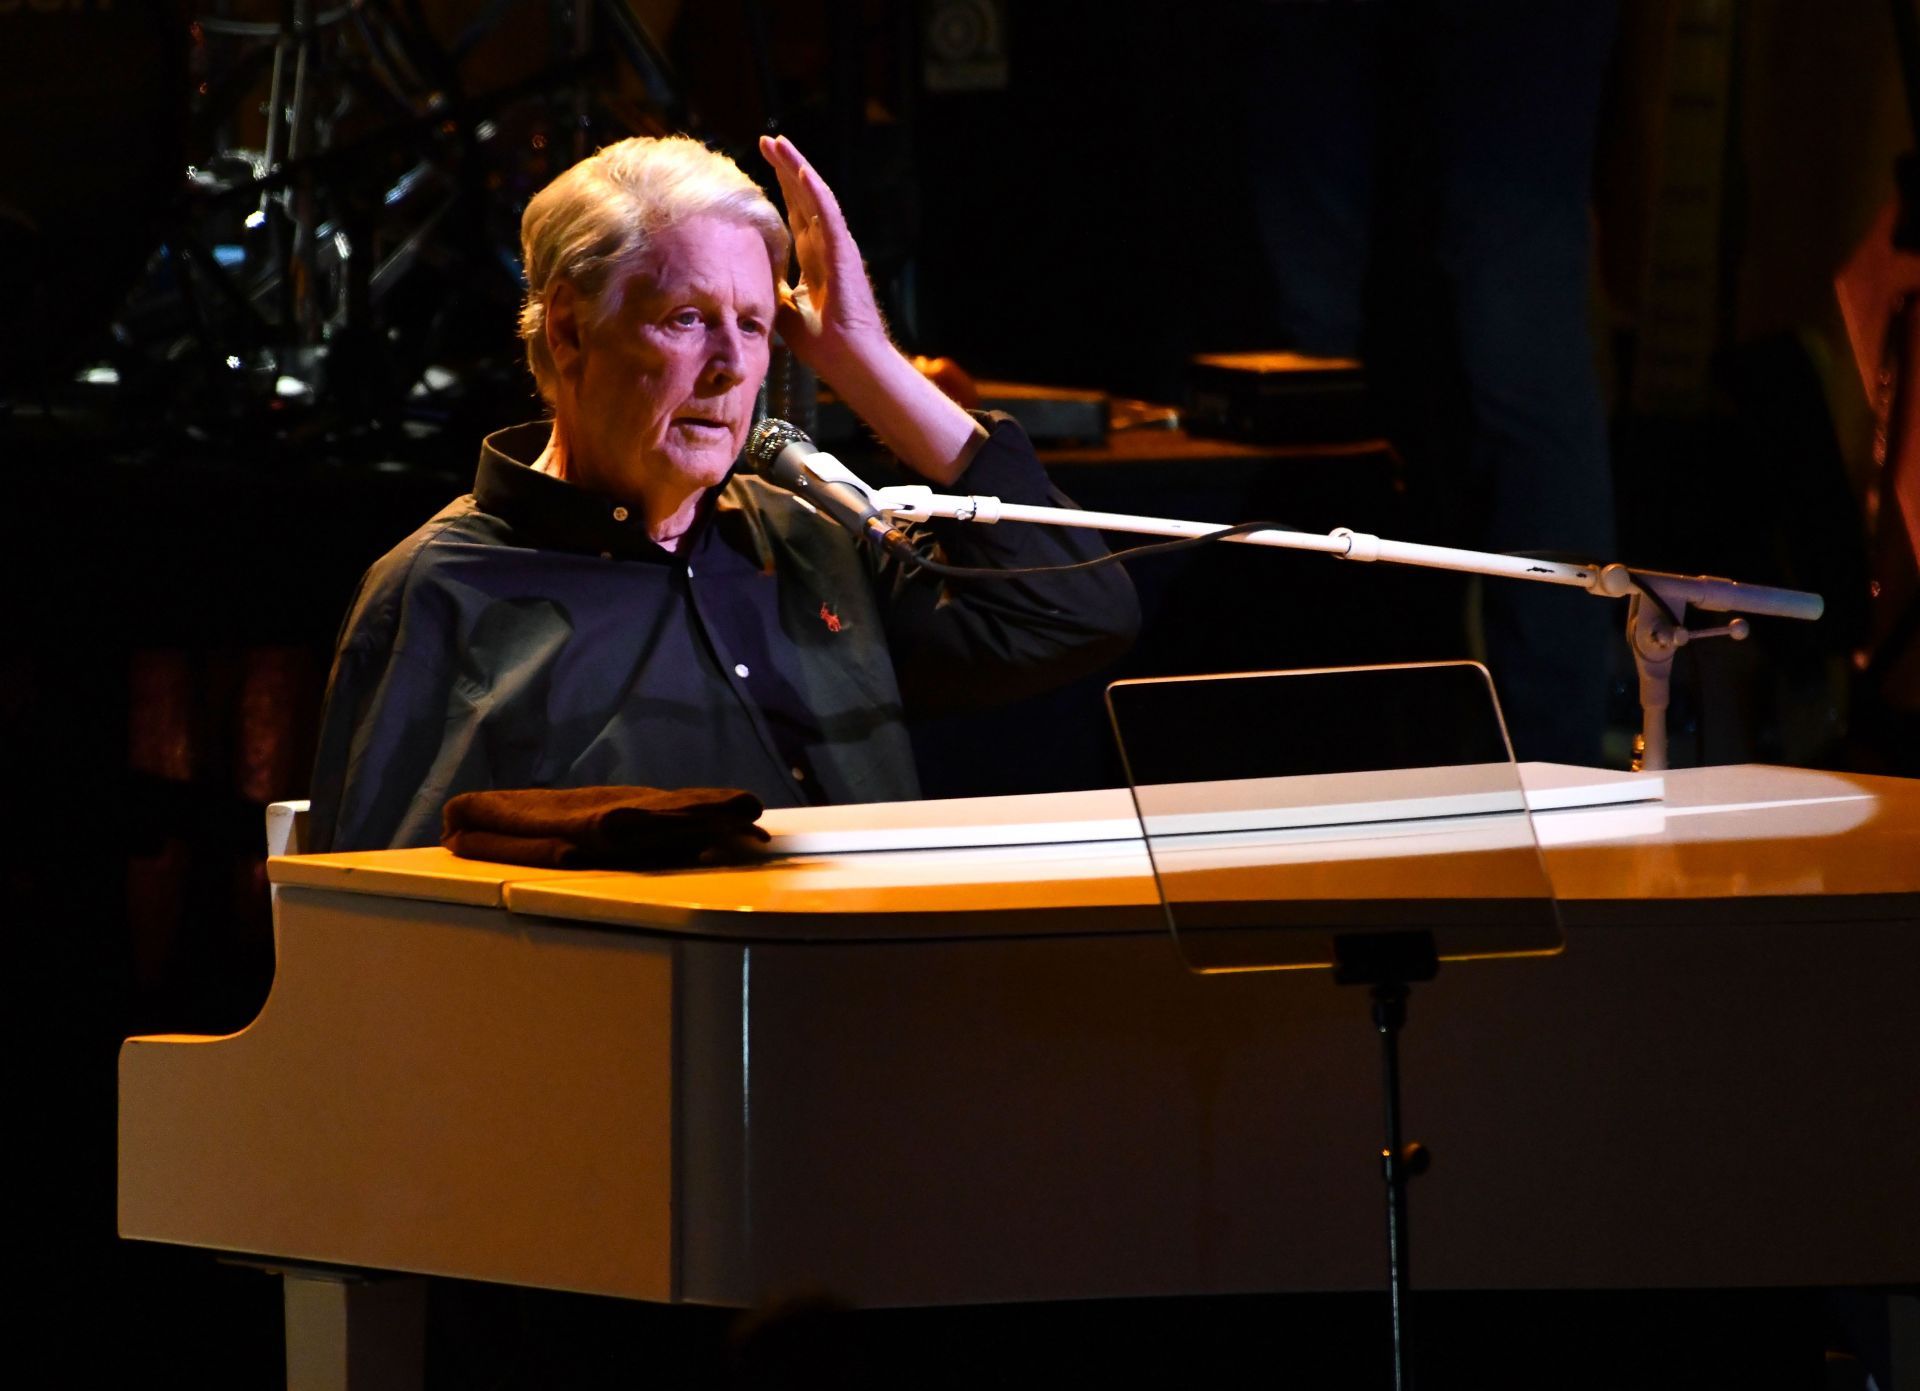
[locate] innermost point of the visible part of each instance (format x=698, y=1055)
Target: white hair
x=591, y=225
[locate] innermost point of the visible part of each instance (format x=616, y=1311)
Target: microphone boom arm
x=1656, y=608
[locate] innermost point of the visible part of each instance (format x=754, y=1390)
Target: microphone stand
x=1656, y=601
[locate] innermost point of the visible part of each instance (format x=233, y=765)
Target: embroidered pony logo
x=830, y=618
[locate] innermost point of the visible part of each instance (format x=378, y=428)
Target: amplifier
x=1278, y=398
x=1051, y=415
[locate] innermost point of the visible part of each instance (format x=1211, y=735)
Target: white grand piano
x=980, y=1073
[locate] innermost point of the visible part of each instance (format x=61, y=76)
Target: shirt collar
x=547, y=513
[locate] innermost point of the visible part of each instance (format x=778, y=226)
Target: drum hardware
x=331, y=243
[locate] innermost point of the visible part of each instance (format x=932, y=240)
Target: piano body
x=982, y=1074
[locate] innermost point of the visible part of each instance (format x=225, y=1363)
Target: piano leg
x=348, y=1331
x=1903, y=1320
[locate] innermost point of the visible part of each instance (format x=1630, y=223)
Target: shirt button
x=689, y=572
x=740, y=669
x=606, y=555
x=619, y=514
x=799, y=774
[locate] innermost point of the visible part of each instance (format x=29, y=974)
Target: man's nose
x=726, y=355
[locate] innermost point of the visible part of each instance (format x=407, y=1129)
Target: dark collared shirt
x=531, y=635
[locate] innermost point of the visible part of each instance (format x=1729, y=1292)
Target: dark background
x=180, y=545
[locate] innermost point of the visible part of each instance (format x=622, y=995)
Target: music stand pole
x=1389, y=963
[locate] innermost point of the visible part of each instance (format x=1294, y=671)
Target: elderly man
x=613, y=605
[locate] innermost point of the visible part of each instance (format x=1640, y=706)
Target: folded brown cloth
x=604, y=827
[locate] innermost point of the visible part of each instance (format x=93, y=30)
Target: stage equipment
x=1259, y=839
x=1277, y=398
x=786, y=458
x=1656, y=611
x=93, y=123
x=1051, y=415
x=341, y=255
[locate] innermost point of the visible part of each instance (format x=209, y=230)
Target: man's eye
x=687, y=318
x=752, y=326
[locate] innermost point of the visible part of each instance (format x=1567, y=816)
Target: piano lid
x=428, y=872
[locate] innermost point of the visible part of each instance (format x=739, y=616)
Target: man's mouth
x=704, y=424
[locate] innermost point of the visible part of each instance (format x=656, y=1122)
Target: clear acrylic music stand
x=1368, y=820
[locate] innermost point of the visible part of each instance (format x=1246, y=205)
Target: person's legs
x=1515, y=91
x=1309, y=76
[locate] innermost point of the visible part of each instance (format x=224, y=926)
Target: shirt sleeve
x=382, y=723
x=961, y=643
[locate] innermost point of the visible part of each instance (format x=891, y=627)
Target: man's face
x=661, y=396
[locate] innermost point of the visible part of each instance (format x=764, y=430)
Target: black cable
x=1185, y=543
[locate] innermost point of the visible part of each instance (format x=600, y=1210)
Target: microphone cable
x=1119, y=557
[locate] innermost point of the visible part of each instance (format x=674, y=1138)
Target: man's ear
x=563, y=327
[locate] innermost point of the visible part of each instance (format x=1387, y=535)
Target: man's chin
x=703, y=467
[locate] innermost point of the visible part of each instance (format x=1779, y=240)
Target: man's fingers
x=791, y=170
x=821, y=202
x=809, y=199
x=790, y=189
x=795, y=312
x=832, y=294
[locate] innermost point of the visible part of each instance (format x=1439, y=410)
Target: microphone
x=784, y=456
